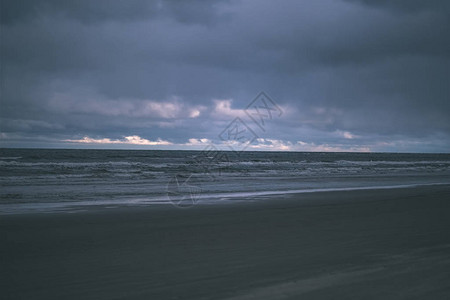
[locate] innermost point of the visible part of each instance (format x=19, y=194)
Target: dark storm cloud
x=411, y=6
x=22, y=10
x=349, y=73
x=196, y=11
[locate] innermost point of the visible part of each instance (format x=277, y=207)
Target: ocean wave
x=10, y=157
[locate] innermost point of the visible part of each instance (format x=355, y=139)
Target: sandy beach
x=375, y=244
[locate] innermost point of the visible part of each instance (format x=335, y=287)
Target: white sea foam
x=201, y=199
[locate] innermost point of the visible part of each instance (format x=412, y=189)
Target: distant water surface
x=49, y=179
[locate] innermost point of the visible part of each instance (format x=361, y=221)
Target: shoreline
x=216, y=199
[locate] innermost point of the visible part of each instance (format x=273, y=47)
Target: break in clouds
x=356, y=75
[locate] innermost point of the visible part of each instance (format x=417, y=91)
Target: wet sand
x=377, y=244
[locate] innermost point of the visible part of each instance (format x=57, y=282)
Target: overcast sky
x=355, y=75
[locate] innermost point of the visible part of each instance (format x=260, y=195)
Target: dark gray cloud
x=192, y=12
x=355, y=74
x=411, y=6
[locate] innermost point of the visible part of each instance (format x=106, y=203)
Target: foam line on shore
x=211, y=198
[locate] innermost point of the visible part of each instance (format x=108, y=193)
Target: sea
x=73, y=180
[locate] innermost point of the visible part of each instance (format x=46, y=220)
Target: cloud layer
x=353, y=75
